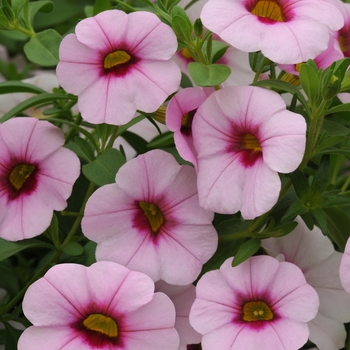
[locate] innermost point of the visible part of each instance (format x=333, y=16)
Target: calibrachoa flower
x=117, y=63
x=179, y=115
x=261, y=304
x=285, y=31
x=183, y=298
x=36, y=176
x=345, y=268
x=150, y=220
x=104, y=306
x=243, y=137
x=315, y=255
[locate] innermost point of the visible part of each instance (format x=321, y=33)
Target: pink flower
x=117, y=63
x=343, y=33
x=314, y=254
x=183, y=298
x=285, y=31
x=179, y=115
x=261, y=304
x=150, y=220
x=244, y=136
x=36, y=176
x=104, y=306
x=345, y=268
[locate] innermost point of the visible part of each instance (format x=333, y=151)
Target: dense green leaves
x=208, y=75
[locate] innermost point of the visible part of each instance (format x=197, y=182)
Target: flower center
x=185, y=53
x=250, y=142
x=186, y=122
x=270, y=9
x=153, y=214
x=20, y=174
x=256, y=311
x=116, y=58
x=344, y=43
x=102, y=324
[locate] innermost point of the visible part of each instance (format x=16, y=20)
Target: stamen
x=20, y=174
x=251, y=142
x=101, y=324
x=116, y=58
x=256, y=311
x=269, y=9
x=154, y=215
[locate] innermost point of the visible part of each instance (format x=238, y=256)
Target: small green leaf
x=301, y=185
x=321, y=178
x=17, y=5
x=103, y=169
x=295, y=209
x=39, y=6
x=320, y=219
x=164, y=140
x=198, y=27
x=42, y=48
x=181, y=28
x=135, y=141
x=53, y=231
x=89, y=253
x=309, y=81
x=345, y=107
x=85, y=147
x=73, y=249
x=219, y=49
x=104, y=131
x=7, y=87
x=255, y=60
x=279, y=230
x=8, y=248
x=211, y=75
x=246, y=250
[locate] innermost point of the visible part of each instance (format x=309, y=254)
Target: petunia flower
x=183, y=298
x=150, y=220
x=344, y=271
x=105, y=306
x=179, y=115
x=314, y=254
x=36, y=176
x=118, y=63
x=243, y=137
x=260, y=304
x=285, y=31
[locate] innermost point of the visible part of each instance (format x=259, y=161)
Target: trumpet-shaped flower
x=117, y=63
x=105, y=306
x=315, y=255
x=179, y=115
x=243, y=137
x=36, y=176
x=285, y=31
x=150, y=220
x=261, y=304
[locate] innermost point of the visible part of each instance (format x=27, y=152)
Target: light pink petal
x=301, y=247
x=324, y=277
x=344, y=270
x=107, y=212
x=104, y=31
x=261, y=190
x=152, y=326
x=326, y=333
x=141, y=179
x=156, y=40
x=53, y=338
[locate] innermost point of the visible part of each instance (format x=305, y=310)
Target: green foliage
x=208, y=75
x=246, y=250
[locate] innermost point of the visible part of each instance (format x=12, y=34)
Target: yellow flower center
x=154, y=215
x=256, y=311
x=101, y=324
x=116, y=58
x=344, y=43
x=20, y=174
x=268, y=8
x=185, y=53
x=251, y=142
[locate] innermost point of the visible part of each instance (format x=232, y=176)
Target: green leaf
x=301, y=185
x=39, y=6
x=42, y=48
x=53, y=231
x=338, y=226
x=85, y=148
x=230, y=226
x=246, y=250
x=101, y=5
x=279, y=230
x=211, y=75
x=135, y=141
x=219, y=49
x=329, y=142
x=104, y=131
x=345, y=107
x=164, y=140
x=333, y=128
x=89, y=253
x=17, y=5
x=103, y=169
x=34, y=101
x=309, y=81
x=181, y=28
x=320, y=181
x=7, y=87
x=73, y=249
x=320, y=219
x=123, y=128
x=255, y=60
x=295, y=209
x=8, y=248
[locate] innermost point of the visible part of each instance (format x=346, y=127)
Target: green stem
x=263, y=63
x=113, y=137
x=72, y=131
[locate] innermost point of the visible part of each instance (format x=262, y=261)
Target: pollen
x=116, y=58
x=250, y=142
x=270, y=9
x=257, y=311
x=153, y=214
x=102, y=324
x=20, y=174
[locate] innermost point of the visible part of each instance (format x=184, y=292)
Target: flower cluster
x=180, y=181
